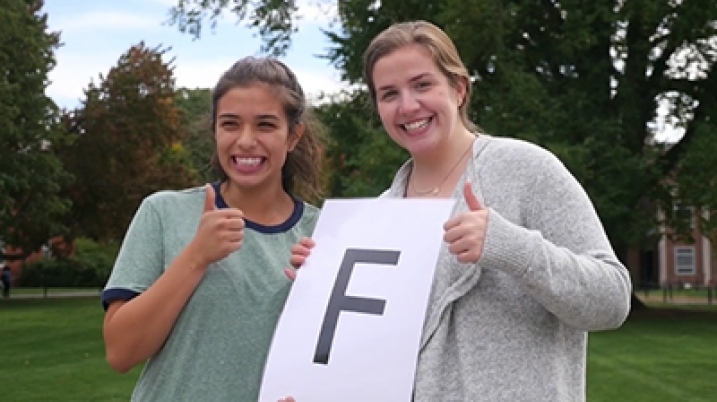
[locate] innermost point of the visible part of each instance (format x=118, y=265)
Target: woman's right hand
x=220, y=232
x=299, y=252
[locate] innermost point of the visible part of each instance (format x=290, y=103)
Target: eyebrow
x=236, y=116
x=414, y=79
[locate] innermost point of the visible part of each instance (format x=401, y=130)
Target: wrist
x=193, y=259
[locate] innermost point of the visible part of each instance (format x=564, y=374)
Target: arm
x=563, y=257
x=135, y=330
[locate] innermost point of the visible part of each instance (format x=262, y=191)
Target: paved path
x=658, y=298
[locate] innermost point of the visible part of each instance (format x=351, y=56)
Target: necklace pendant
x=435, y=191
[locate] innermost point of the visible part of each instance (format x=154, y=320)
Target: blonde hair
x=431, y=38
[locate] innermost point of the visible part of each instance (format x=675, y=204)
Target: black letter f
x=340, y=301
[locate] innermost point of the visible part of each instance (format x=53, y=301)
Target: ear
x=461, y=90
x=296, y=134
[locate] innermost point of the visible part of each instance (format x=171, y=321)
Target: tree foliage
x=195, y=106
x=31, y=175
x=275, y=19
x=128, y=142
x=361, y=158
x=585, y=79
x=694, y=190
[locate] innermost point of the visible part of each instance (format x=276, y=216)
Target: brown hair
x=302, y=169
x=431, y=38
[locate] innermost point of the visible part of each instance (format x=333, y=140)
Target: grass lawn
x=39, y=291
x=52, y=351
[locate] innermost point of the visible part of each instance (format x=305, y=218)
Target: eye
x=228, y=124
x=422, y=85
x=266, y=125
x=388, y=95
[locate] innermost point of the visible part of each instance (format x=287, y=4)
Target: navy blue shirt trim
x=110, y=295
x=282, y=227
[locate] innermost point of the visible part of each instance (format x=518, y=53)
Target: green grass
x=39, y=291
x=663, y=359
x=52, y=351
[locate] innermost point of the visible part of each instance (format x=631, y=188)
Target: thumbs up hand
x=220, y=231
x=465, y=233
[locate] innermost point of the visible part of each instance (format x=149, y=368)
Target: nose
x=246, y=137
x=408, y=104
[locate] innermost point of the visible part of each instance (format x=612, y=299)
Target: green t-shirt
x=218, y=346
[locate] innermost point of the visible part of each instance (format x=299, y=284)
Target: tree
x=128, y=142
x=361, y=158
x=694, y=190
x=585, y=79
x=195, y=106
x=31, y=175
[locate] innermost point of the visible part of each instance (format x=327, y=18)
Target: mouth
x=247, y=164
x=416, y=125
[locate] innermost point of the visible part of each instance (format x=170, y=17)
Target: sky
x=95, y=33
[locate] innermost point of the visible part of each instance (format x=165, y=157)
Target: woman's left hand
x=465, y=233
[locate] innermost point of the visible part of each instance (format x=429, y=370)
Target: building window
x=685, y=260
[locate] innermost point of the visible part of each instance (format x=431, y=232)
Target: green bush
x=89, y=267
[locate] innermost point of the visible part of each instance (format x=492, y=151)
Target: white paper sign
x=351, y=327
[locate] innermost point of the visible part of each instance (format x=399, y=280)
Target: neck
x=265, y=205
x=437, y=162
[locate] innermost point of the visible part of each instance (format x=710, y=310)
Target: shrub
x=89, y=267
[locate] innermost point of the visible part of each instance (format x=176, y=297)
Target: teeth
x=416, y=125
x=247, y=161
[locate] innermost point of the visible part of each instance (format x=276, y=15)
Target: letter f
x=339, y=301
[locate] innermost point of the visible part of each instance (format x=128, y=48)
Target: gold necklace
x=437, y=189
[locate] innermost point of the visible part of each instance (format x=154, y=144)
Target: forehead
x=252, y=100
x=403, y=64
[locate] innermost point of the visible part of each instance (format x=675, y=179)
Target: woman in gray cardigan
x=526, y=269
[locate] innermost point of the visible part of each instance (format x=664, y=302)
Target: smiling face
x=417, y=104
x=253, y=137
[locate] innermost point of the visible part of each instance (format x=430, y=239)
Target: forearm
x=587, y=289
x=137, y=329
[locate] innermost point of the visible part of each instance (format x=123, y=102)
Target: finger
x=230, y=213
x=234, y=224
x=452, y=223
x=467, y=257
x=210, y=199
x=307, y=242
x=290, y=273
x=471, y=199
x=458, y=248
x=451, y=235
x=300, y=249
x=297, y=261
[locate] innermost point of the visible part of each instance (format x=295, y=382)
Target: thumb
x=471, y=199
x=209, y=201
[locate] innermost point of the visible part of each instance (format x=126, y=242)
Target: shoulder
x=515, y=150
x=311, y=212
x=165, y=199
x=307, y=220
x=170, y=205
x=508, y=157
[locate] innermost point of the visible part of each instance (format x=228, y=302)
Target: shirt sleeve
x=563, y=256
x=140, y=260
